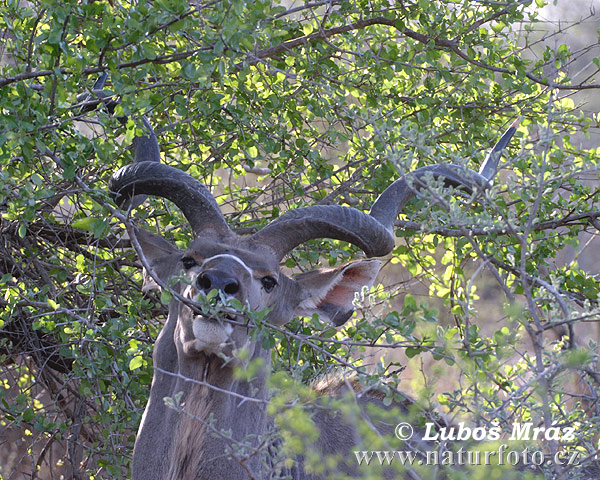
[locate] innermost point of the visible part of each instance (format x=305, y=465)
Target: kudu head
x=247, y=268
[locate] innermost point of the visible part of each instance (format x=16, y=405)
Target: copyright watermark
x=503, y=455
x=461, y=432
x=519, y=432
x=404, y=431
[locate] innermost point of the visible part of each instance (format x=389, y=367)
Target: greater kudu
x=175, y=446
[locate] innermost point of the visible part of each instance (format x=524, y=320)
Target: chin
x=212, y=336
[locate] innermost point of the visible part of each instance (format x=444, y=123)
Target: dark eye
x=188, y=262
x=268, y=283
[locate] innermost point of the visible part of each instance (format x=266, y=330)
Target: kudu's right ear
x=162, y=257
x=329, y=292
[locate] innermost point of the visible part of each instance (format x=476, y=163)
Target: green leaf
x=136, y=362
x=28, y=415
x=165, y=297
x=90, y=224
x=410, y=305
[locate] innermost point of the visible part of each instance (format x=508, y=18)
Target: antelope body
x=191, y=353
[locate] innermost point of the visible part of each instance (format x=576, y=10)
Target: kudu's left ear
x=161, y=255
x=329, y=292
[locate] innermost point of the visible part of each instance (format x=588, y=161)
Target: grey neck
x=216, y=425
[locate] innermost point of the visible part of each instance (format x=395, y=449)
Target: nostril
x=232, y=287
x=214, y=280
x=204, y=283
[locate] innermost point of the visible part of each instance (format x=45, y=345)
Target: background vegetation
x=482, y=310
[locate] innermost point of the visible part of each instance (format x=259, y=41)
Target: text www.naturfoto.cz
x=464, y=457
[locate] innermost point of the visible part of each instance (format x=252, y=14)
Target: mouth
x=211, y=334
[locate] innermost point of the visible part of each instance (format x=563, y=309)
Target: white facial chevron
x=233, y=257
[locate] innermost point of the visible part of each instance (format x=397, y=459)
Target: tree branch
x=254, y=58
x=590, y=218
x=444, y=43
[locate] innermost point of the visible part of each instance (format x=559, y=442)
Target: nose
x=217, y=280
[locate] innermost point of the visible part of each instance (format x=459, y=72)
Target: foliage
x=275, y=107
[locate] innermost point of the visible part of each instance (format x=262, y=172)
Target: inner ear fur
x=162, y=257
x=329, y=292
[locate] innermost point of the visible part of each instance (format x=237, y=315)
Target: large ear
x=330, y=292
x=162, y=257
